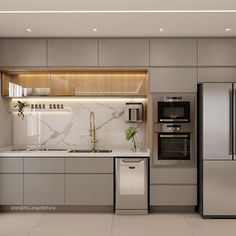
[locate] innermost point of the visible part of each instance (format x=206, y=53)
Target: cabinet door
x=11, y=165
x=173, y=80
x=173, y=52
x=44, y=189
x=173, y=195
x=89, y=165
x=173, y=176
x=89, y=189
x=216, y=74
x=217, y=52
x=72, y=52
x=44, y=165
x=23, y=52
x=123, y=52
x=11, y=189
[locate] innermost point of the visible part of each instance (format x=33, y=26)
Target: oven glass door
x=173, y=146
x=173, y=112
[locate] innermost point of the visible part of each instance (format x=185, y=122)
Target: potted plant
x=130, y=133
x=20, y=106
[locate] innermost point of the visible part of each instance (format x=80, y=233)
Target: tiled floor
x=85, y=224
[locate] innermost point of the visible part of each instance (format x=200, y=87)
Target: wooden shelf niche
x=80, y=83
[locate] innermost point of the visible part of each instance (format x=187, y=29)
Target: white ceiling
x=179, y=18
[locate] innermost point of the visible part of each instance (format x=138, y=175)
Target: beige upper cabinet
x=173, y=80
x=123, y=52
x=216, y=74
x=72, y=52
x=173, y=52
x=23, y=52
x=217, y=52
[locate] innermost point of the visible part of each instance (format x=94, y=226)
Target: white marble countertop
x=7, y=152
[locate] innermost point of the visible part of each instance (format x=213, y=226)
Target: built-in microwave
x=173, y=109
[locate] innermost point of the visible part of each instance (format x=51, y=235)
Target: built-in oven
x=173, y=109
x=174, y=129
x=173, y=144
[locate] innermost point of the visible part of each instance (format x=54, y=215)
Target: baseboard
x=57, y=208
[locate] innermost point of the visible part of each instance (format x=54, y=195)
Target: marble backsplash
x=70, y=127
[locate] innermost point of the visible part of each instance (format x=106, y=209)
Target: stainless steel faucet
x=92, y=131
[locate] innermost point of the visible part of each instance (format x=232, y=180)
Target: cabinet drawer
x=89, y=189
x=11, y=165
x=11, y=189
x=89, y=165
x=173, y=195
x=173, y=176
x=44, y=165
x=44, y=189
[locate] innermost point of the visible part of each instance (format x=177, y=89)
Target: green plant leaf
x=130, y=132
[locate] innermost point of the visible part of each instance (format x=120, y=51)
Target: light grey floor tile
x=195, y=221
x=19, y=220
x=75, y=220
x=152, y=232
x=161, y=220
x=214, y=232
x=70, y=232
x=14, y=232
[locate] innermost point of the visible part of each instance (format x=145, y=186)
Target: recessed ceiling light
x=228, y=29
x=94, y=30
x=161, y=29
x=29, y=30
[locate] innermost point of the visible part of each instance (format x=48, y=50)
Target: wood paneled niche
x=75, y=83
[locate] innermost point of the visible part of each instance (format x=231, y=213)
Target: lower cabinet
x=43, y=189
x=173, y=195
x=11, y=189
x=89, y=189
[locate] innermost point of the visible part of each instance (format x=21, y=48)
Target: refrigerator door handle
x=231, y=111
x=234, y=122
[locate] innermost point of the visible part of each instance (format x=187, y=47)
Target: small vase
x=135, y=144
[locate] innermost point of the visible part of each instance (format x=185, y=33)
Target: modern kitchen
x=117, y=132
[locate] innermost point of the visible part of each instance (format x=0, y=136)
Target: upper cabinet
x=173, y=80
x=217, y=52
x=173, y=52
x=23, y=52
x=75, y=83
x=123, y=52
x=216, y=74
x=72, y=52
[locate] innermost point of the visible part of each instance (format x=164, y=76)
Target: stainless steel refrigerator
x=217, y=149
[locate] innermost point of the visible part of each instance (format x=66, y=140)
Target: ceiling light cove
x=117, y=11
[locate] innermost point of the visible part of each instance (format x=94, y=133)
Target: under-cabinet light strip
x=79, y=99
x=116, y=11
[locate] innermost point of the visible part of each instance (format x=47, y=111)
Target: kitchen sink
x=90, y=151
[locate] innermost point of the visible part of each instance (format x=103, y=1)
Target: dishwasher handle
x=132, y=161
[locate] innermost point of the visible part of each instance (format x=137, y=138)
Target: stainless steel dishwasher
x=131, y=185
